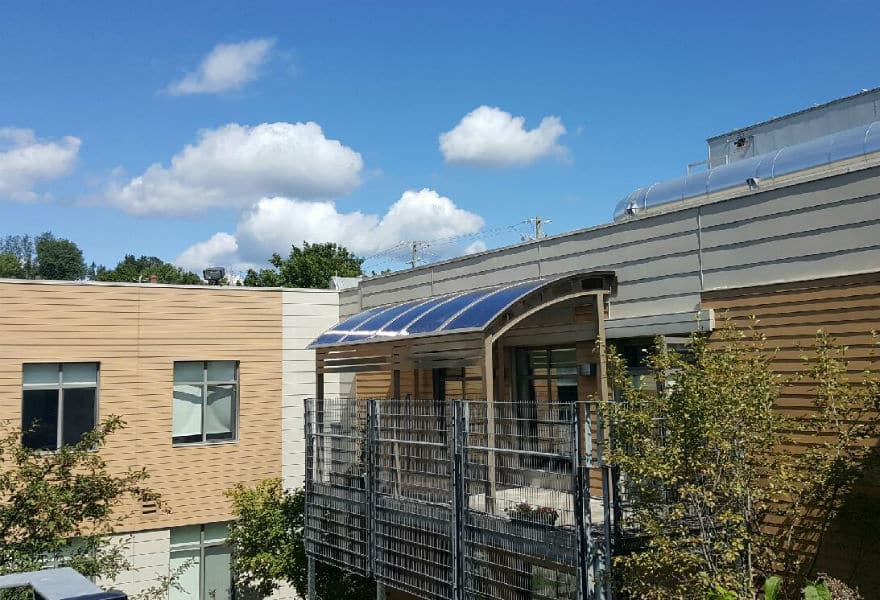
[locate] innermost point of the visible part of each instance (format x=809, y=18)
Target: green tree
x=707, y=462
x=59, y=259
x=132, y=269
x=268, y=548
x=22, y=246
x=261, y=278
x=63, y=505
x=311, y=266
x=10, y=266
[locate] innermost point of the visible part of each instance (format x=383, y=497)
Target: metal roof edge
x=793, y=114
x=237, y=288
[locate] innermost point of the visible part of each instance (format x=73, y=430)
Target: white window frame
x=60, y=386
x=205, y=383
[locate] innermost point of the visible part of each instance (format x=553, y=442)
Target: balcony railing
x=461, y=499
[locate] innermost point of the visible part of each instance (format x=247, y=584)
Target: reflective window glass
x=59, y=403
x=189, y=372
x=40, y=374
x=39, y=419
x=79, y=414
x=79, y=374
x=204, y=412
x=221, y=370
x=203, y=560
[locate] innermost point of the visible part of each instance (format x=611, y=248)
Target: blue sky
x=636, y=87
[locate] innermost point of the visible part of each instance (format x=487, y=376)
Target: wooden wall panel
x=790, y=315
x=136, y=332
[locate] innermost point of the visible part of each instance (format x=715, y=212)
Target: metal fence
x=413, y=496
x=337, y=520
x=461, y=499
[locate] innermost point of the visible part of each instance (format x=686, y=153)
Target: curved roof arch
x=857, y=142
x=463, y=312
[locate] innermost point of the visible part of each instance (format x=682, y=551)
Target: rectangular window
x=461, y=383
x=59, y=403
x=201, y=558
x=205, y=401
x=546, y=386
x=546, y=375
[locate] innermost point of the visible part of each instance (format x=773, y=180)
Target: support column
x=398, y=403
x=380, y=591
x=489, y=388
x=459, y=499
x=604, y=397
x=581, y=457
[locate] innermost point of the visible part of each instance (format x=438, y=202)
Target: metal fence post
x=312, y=595
x=308, y=409
x=459, y=498
x=310, y=451
x=582, y=455
x=606, y=503
x=371, y=437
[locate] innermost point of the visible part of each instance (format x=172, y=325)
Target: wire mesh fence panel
x=520, y=534
x=460, y=499
x=413, y=494
x=337, y=529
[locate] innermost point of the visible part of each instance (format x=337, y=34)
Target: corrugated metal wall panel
x=820, y=228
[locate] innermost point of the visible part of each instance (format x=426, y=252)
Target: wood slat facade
x=790, y=315
x=135, y=333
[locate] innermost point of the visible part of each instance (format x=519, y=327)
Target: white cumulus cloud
x=26, y=161
x=476, y=246
x=490, y=137
x=219, y=250
x=227, y=67
x=235, y=165
x=273, y=224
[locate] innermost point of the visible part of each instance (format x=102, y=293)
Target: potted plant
x=525, y=512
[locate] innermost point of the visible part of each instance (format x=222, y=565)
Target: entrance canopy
x=464, y=312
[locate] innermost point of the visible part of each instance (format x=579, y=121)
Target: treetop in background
x=43, y=256
x=133, y=269
x=47, y=257
x=59, y=259
x=312, y=266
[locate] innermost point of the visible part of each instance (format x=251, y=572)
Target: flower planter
x=525, y=513
x=542, y=520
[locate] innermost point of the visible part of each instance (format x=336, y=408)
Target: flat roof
x=227, y=288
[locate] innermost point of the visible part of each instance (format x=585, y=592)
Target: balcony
x=461, y=499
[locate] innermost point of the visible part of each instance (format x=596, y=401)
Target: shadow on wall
x=851, y=551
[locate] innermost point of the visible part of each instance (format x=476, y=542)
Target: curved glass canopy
x=850, y=143
x=452, y=313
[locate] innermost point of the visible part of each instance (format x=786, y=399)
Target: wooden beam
x=539, y=307
x=601, y=347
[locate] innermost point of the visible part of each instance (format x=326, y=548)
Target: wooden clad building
x=209, y=381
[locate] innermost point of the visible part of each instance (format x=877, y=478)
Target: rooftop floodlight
x=633, y=209
x=213, y=275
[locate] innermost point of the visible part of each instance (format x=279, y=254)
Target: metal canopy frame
x=471, y=311
x=474, y=347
